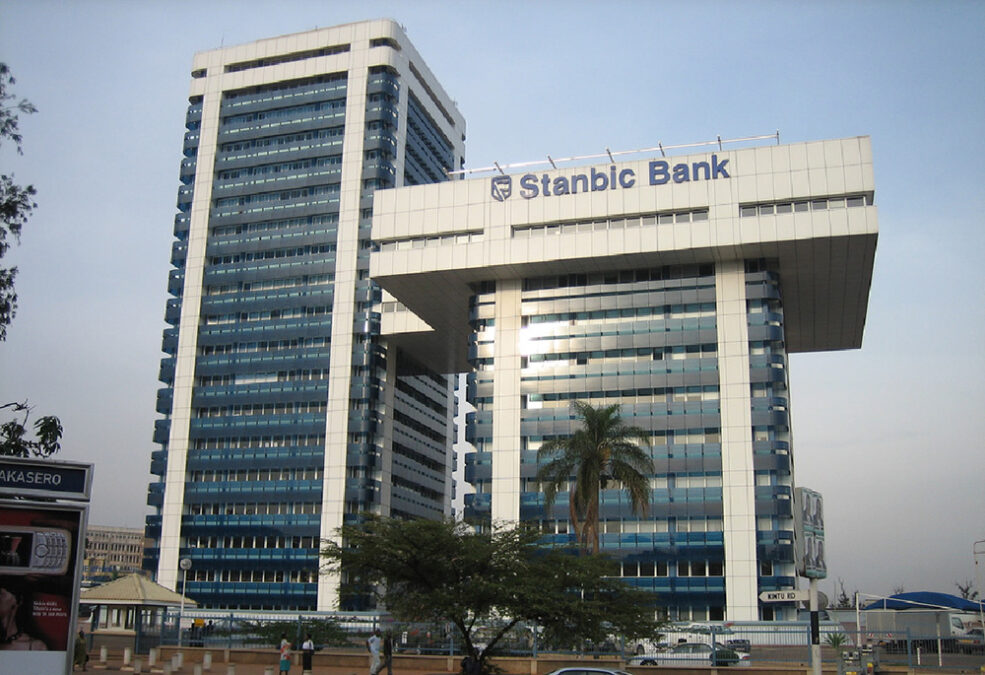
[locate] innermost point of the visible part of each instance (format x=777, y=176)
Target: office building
x=675, y=286
x=284, y=413
x=111, y=552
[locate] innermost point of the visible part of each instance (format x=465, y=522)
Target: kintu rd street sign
x=784, y=596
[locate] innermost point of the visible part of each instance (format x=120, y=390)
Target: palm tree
x=601, y=451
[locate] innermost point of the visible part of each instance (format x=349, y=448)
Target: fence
x=764, y=643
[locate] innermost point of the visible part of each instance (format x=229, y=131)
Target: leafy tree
x=16, y=204
x=602, y=451
x=14, y=441
x=486, y=583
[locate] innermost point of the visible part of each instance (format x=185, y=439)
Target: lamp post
x=978, y=550
x=185, y=564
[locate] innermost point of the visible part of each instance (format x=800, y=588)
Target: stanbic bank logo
x=502, y=188
x=660, y=173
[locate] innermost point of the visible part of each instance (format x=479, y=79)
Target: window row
x=684, y=568
x=278, y=225
x=274, y=314
x=261, y=378
x=265, y=346
x=251, y=509
x=263, y=409
x=273, y=254
x=601, y=225
x=421, y=242
x=805, y=205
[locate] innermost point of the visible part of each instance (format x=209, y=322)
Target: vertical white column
x=343, y=312
x=389, y=394
x=506, y=405
x=184, y=369
x=738, y=479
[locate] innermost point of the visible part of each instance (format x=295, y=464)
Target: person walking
x=81, y=654
x=373, y=644
x=307, y=653
x=285, y=654
x=388, y=652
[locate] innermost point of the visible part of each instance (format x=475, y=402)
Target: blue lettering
x=545, y=183
x=658, y=172
x=579, y=179
x=700, y=165
x=718, y=168
x=529, y=185
x=612, y=177
x=627, y=178
x=599, y=180
x=560, y=185
x=681, y=174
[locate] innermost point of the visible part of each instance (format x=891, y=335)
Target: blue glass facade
x=645, y=339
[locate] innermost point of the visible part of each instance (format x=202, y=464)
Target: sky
x=891, y=434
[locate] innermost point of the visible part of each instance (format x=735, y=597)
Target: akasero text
x=660, y=173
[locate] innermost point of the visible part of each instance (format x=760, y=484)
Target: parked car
x=587, y=671
x=695, y=654
x=739, y=645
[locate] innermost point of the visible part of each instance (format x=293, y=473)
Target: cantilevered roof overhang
x=436, y=240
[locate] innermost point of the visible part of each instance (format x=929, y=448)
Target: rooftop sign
x=659, y=172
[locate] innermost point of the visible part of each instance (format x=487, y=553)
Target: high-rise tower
x=285, y=414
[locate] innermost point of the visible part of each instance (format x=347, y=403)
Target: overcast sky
x=891, y=434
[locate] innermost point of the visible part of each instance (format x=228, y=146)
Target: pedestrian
x=388, y=652
x=81, y=654
x=307, y=652
x=285, y=654
x=373, y=644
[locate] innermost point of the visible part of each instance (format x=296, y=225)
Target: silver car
x=694, y=654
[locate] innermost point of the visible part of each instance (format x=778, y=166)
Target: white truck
x=927, y=628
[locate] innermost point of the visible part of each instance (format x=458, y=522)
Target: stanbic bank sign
x=660, y=172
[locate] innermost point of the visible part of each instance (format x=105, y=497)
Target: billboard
x=809, y=527
x=40, y=550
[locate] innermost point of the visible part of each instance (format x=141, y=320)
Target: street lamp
x=185, y=564
x=978, y=550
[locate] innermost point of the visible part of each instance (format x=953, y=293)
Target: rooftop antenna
x=549, y=160
x=609, y=153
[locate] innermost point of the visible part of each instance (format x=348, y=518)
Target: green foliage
x=486, y=583
x=602, y=451
x=13, y=434
x=836, y=640
x=16, y=202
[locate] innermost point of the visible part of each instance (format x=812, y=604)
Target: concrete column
x=127, y=655
x=506, y=404
x=137, y=666
x=738, y=479
x=231, y=669
x=102, y=654
x=207, y=661
x=152, y=657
